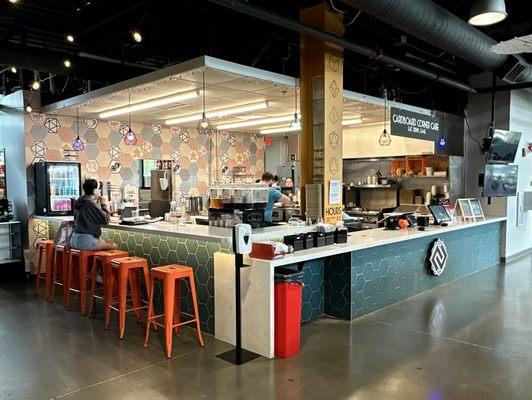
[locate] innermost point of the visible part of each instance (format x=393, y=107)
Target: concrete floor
x=469, y=339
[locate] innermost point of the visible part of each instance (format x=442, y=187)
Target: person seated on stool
x=90, y=213
x=274, y=195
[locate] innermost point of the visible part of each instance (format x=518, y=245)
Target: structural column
x=321, y=83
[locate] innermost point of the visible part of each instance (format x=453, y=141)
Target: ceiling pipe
x=503, y=88
x=435, y=25
x=294, y=25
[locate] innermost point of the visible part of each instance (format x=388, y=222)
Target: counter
x=163, y=243
x=374, y=269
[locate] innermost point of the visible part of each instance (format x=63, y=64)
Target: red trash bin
x=288, y=293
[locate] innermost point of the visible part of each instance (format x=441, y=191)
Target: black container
x=319, y=239
x=296, y=241
x=308, y=240
x=329, y=238
x=340, y=235
x=423, y=221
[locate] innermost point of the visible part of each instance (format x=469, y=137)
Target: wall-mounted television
x=504, y=145
x=500, y=180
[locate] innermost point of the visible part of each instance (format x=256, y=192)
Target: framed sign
x=463, y=209
x=414, y=125
x=476, y=209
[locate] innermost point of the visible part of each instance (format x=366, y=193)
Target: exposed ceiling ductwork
x=433, y=24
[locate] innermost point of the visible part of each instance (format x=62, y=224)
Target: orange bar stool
x=102, y=266
x=126, y=269
x=61, y=262
x=171, y=275
x=80, y=259
x=46, y=247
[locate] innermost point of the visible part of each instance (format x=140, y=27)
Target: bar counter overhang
x=374, y=269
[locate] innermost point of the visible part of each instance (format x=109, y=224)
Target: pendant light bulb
x=442, y=142
x=137, y=36
x=67, y=63
x=77, y=143
x=13, y=1
x=130, y=137
x=29, y=108
x=204, y=126
x=70, y=38
x=385, y=139
x=35, y=85
x=296, y=122
x=13, y=70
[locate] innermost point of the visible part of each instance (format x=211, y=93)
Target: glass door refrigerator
x=56, y=184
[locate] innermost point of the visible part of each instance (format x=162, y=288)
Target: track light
x=29, y=108
x=280, y=130
x=35, y=85
x=218, y=113
x=67, y=63
x=137, y=36
x=149, y=104
x=257, y=122
x=487, y=12
x=70, y=38
x=13, y=70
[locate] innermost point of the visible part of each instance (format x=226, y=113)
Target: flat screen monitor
x=500, y=180
x=504, y=145
x=439, y=213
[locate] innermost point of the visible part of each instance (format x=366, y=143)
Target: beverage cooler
x=56, y=184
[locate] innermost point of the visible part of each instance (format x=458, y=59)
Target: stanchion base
x=245, y=356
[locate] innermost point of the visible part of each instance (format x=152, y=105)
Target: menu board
x=476, y=208
x=466, y=210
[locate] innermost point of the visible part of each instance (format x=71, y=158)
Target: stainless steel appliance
x=278, y=214
x=369, y=219
x=194, y=205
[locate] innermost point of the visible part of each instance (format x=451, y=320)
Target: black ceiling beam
x=503, y=88
x=294, y=25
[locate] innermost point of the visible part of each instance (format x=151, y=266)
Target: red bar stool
x=61, y=262
x=171, y=275
x=102, y=266
x=126, y=269
x=80, y=259
x=46, y=247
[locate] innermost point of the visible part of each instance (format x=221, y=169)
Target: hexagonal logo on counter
x=437, y=259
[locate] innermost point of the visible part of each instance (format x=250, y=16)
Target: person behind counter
x=274, y=195
x=90, y=213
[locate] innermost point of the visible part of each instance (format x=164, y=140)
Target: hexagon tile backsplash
x=108, y=157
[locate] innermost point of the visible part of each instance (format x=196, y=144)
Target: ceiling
x=226, y=85
x=32, y=37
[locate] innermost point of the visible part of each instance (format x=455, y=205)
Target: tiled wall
x=108, y=157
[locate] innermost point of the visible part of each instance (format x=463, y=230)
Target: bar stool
x=102, y=266
x=61, y=262
x=46, y=247
x=171, y=275
x=81, y=259
x=126, y=269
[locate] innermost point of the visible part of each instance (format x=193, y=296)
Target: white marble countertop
x=371, y=238
x=196, y=232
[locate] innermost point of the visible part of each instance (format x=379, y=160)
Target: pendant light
x=77, y=143
x=130, y=137
x=295, y=124
x=204, y=125
x=442, y=142
x=385, y=139
x=487, y=12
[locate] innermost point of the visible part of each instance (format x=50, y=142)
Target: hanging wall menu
x=414, y=125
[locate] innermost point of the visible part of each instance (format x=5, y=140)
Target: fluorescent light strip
x=150, y=104
x=255, y=122
x=218, y=113
x=351, y=121
x=280, y=130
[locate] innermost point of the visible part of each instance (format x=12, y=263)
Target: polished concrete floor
x=469, y=339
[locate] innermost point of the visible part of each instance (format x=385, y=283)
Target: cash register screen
x=440, y=213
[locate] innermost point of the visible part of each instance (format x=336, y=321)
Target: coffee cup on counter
x=423, y=221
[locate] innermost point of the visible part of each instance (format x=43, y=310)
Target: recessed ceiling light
x=70, y=38
x=36, y=85
x=218, y=113
x=257, y=122
x=67, y=63
x=13, y=70
x=149, y=104
x=13, y=1
x=28, y=108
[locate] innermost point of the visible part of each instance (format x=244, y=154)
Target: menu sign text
x=414, y=125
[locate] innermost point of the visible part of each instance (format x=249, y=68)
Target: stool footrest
x=173, y=325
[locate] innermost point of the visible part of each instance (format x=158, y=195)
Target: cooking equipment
x=369, y=219
x=194, y=205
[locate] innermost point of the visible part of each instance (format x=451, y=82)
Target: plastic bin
x=288, y=292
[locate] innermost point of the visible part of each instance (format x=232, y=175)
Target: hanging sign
x=414, y=125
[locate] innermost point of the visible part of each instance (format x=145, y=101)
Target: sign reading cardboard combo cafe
x=414, y=125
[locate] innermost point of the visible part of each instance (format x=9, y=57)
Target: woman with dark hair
x=90, y=213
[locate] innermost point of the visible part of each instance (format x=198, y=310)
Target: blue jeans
x=85, y=241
